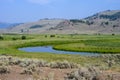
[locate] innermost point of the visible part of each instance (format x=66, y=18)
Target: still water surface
x=50, y=49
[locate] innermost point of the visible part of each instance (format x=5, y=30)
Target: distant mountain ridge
x=4, y=25
x=106, y=22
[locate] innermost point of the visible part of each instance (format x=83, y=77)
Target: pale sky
x=17, y=11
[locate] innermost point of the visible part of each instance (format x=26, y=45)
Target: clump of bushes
x=45, y=36
x=111, y=59
x=52, y=36
x=4, y=69
x=36, y=26
x=28, y=62
x=18, y=38
x=38, y=63
x=76, y=21
x=63, y=65
x=113, y=34
x=111, y=17
x=91, y=73
x=31, y=66
x=31, y=69
x=14, y=61
x=9, y=60
x=25, y=62
x=23, y=37
x=1, y=37
x=14, y=38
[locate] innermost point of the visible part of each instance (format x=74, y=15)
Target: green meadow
x=102, y=44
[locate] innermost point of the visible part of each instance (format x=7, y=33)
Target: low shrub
x=30, y=70
x=14, y=38
x=40, y=63
x=4, y=69
x=63, y=65
x=91, y=73
x=1, y=38
x=23, y=37
x=52, y=35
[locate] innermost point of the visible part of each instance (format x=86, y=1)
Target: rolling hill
x=106, y=22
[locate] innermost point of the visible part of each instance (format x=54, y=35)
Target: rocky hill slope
x=106, y=22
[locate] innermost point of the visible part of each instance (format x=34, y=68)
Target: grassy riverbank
x=86, y=43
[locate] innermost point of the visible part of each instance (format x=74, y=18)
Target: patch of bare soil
x=45, y=73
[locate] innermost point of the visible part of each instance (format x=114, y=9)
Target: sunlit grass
x=84, y=43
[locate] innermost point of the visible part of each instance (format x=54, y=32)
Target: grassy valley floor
x=102, y=44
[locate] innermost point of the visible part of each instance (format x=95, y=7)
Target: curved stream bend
x=50, y=49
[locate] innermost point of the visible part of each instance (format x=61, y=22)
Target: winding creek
x=49, y=49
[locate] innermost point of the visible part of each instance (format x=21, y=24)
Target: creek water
x=50, y=49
